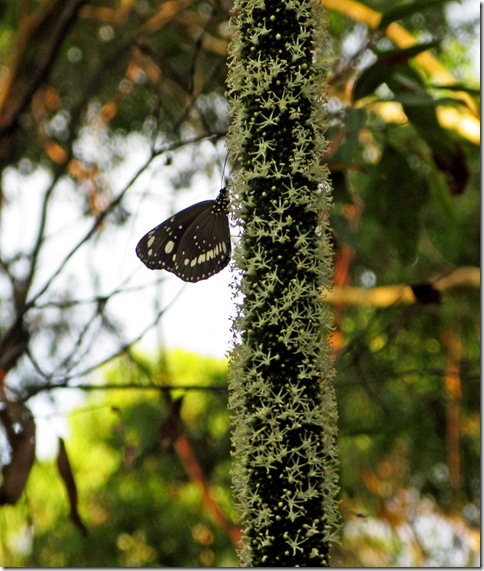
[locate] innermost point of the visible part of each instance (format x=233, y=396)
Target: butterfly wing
x=193, y=244
x=205, y=247
x=158, y=247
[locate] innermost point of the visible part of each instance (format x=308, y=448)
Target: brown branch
x=67, y=475
x=192, y=467
x=61, y=26
x=385, y=296
x=19, y=427
x=454, y=390
x=139, y=387
x=165, y=13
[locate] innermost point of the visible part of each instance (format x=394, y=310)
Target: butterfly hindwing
x=205, y=247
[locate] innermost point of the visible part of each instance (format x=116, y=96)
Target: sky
x=197, y=318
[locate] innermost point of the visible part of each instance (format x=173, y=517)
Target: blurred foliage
x=142, y=507
x=138, y=503
x=81, y=84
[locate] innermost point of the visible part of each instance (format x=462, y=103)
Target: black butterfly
x=194, y=243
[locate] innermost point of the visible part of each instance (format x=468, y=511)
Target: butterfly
x=194, y=244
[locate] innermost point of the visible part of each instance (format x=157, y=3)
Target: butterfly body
x=194, y=244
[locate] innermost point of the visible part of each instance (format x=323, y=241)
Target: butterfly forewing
x=157, y=247
x=194, y=244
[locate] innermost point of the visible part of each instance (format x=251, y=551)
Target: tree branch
x=385, y=296
x=62, y=24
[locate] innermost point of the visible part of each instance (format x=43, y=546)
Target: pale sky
x=198, y=320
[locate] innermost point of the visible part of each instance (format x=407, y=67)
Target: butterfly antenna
x=222, y=182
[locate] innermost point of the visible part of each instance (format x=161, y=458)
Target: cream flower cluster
x=281, y=393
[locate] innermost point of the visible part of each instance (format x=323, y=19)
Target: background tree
x=137, y=464
x=86, y=86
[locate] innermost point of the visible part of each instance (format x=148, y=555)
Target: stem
x=281, y=387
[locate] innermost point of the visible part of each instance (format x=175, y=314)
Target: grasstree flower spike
x=281, y=392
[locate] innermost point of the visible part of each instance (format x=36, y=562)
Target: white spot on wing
x=169, y=247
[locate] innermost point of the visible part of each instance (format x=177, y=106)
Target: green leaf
x=397, y=194
x=474, y=92
x=370, y=79
x=340, y=187
x=397, y=77
x=422, y=99
x=402, y=11
x=355, y=121
x=447, y=153
x=403, y=55
x=392, y=68
x=441, y=197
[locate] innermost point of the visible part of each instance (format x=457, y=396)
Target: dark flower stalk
x=281, y=388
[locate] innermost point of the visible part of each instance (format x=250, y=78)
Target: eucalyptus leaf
x=402, y=55
x=397, y=12
x=475, y=92
x=396, y=77
x=397, y=194
x=421, y=99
